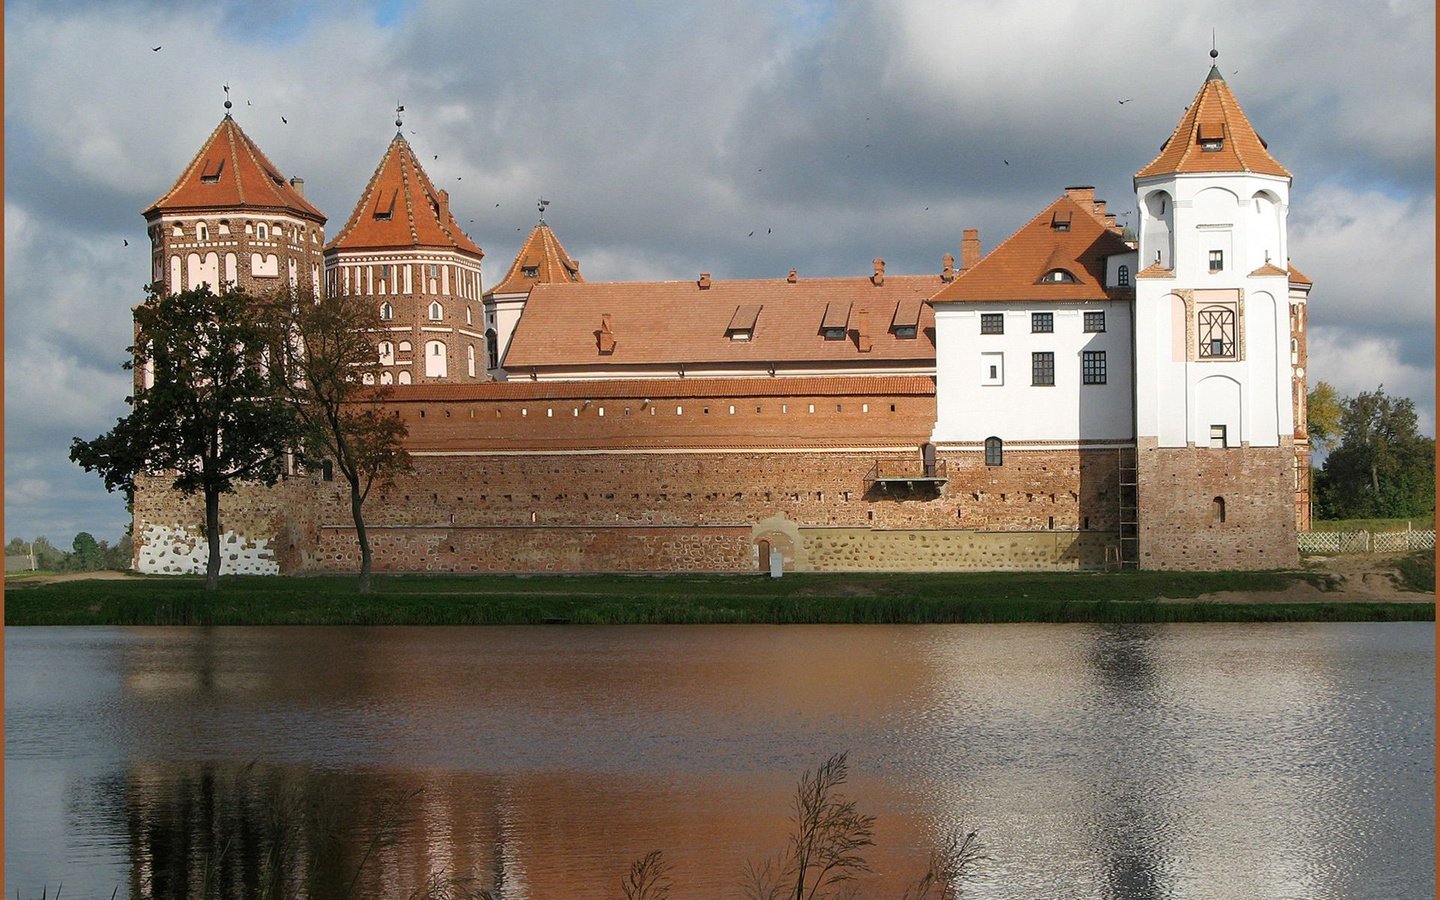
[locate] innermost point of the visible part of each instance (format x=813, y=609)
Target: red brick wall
x=1179, y=526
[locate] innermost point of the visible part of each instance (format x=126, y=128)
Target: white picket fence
x=1365, y=541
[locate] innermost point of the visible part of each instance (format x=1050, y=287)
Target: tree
x=1323, y=410
x=1383, y=467
x=331, y=360
x=86, y=555
x=211, y=418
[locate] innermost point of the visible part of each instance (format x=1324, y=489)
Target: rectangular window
x=992, y=323
x=1092, y=366
x=1042, y=323
x=1094, y=322
x=1217, y=437
x=1217, y=260
x=992, y=369
x=1042, y=368
x=906, y=332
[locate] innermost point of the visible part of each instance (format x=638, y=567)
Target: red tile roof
x=1298, y=277
x=1214, y=113
x=1269, y=269
x=401, y=209
x=1014, y=269
x=231, y=172
x=543, y=253
x=678, y=322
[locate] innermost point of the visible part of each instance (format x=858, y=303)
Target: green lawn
x=679, y=599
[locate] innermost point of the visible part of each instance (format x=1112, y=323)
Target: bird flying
x=156, y=49
x=1126, y=100
x=284, y=121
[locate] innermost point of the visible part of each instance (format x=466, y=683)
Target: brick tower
x=232, y=218
x=1216, y=415
x=541, y=260
x=403, y=248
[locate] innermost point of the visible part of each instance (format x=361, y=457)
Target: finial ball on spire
x=1214, y=54
x=227, y=104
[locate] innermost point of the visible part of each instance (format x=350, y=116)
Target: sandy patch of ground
x=66, y=576
x=1347, y=578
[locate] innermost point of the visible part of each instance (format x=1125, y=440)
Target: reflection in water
x=1118, y=762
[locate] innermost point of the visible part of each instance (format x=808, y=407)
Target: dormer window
x=1058, y=276
x=530, y=271
x=837, y=318
x=1211, y=136
x=742, y=323
x=210, y=174
x=906, y=332
x=833, y=334
x=384, y=209
x=1060, y=220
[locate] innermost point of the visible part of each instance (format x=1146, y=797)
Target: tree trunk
x=212, y=537
x=355, y=512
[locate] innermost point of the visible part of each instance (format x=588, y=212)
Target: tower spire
x=227, y=101
x=399, y=122
x=540, y=205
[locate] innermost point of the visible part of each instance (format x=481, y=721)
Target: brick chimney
x=1083, y=194
x=969, y=249
x=444, y=197
x=298, y=184
x=792, y=277
x=605, y=337
x=862, y=331
x=947, y=267
x=704, y=282
x=878, y=278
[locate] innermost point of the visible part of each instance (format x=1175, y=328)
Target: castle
x=1070, y=399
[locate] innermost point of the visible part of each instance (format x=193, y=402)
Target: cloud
x=1354, y=364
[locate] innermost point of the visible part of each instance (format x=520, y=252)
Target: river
x=1208, y=761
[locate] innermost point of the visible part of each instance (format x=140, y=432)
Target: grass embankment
x=684, y=599
x=1417, y=571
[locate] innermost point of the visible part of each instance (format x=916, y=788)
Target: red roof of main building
x=1016, y=269
x=1214, y=114
x=680, y=322
x=231, y=172
x=402, y=209
x=542, y=253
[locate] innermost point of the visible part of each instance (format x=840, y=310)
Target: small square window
x=1217, y=260
x=992, y=323
x=1042, y=323
x=1094, y=322
x=1217, y=437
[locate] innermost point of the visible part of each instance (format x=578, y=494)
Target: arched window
x=1058, y=276
x=1217, y=511
x=469, y=316
x=387, y=312
x=262, y=232
x=387, y=353
x=470, y=359
x=436, y=311
x=405, y=348
x=386, y=378
x=1217, y=332
x=994, y=451
x=435, y=359
x=1123, y=276
x=492, y=349
x=202, y=232
x=404, y=377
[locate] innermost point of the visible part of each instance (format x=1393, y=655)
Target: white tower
x=1215, y=418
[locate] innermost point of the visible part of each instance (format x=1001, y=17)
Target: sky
x=664, y=133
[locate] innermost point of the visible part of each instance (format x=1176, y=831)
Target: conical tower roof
x=1215, y=119
x=543, y=255
x=402, y=209
x=230, y=171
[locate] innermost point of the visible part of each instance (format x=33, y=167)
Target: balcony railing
x=905, y=475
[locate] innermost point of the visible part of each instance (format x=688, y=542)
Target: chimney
x=878, y=279
x=947, y=267
x=1083, y=194
x=605, y=336
x=862, y=331
x=444, y=198
x=574, y=264
x=298, y=184
x=792, y=277
x=704, y=282
x=969, y=249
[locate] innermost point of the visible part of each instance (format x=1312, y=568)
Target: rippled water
x=1210, y=761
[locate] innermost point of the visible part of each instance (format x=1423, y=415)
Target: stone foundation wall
x=1181, y=523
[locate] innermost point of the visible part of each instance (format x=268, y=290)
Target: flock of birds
x=436, y=157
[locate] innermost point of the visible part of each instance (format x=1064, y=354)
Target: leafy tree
x=212, y=417
x=86, y=555
x=330, y=351
x=48, y=557
x=1383, y=467
x=1323, y=411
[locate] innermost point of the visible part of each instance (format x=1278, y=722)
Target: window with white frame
x=1216, y=325
x=436, y=311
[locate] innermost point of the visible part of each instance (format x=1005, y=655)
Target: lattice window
x=1217, y=332
x=1042, y=368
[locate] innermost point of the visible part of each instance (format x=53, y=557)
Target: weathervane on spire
x=227, y=99
x=540, y=205
x=398, y=110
